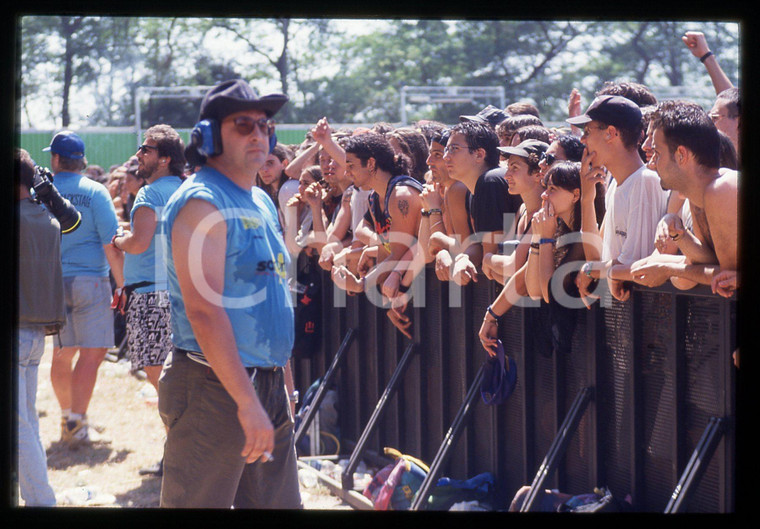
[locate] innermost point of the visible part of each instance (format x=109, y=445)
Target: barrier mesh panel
x=656, y=325
x=615, y=398
x=701, y=348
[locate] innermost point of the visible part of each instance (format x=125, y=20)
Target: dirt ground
x=124, y=407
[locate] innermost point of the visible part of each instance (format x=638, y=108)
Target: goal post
x=449, y=95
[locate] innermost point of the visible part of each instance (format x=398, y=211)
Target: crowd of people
x=181, y=240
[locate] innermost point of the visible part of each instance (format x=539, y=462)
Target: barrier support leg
x=449, y=441
x=347, y=477
x=558, y=448
x=327, y=381
x=697, y=464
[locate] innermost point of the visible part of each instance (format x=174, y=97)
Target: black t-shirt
x=490, y=201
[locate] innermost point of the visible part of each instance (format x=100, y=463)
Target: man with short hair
x=222, y=392
x=472, y=157
x=635, y=202
x=161, y=163
x=446, y=221
x=686, y=155
x=41, y=312
x=87, y=255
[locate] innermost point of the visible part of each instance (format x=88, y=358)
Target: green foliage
x=348, y=78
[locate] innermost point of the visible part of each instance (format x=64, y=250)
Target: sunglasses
x=145, y=148
x=244, y=125
x=548, y=158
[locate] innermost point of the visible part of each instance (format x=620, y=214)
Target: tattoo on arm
x=403, y=207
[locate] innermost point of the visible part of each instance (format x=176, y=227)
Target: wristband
x=534, y=245
x=547, y=241
x=704, y=57
x=293, y=397
x=113, y=240
x=428, y=212
x=586, y=268
x=491, y=312
x=676, y=237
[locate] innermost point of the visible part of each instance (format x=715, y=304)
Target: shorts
x=149, y=328
x=89, y=316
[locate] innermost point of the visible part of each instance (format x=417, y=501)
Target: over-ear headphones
x=206, y=138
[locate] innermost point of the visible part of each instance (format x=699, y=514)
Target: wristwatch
x=293, y=397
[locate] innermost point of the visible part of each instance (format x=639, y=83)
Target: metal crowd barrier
x=641, y=402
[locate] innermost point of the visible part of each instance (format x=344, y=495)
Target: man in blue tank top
x=222, y=392
x=145, y=297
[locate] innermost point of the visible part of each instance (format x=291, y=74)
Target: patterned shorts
x=149, y=329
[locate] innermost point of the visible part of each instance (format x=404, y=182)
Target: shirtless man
x=394, y=214
x=686, y=149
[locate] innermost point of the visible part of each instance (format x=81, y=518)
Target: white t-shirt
x=287, y=190
x=633, y=210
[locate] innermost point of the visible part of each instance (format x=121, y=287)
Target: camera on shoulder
x=46, y=193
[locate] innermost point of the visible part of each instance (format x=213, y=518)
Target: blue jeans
x=32, y=461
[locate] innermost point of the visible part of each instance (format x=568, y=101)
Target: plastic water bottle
x=307, y=478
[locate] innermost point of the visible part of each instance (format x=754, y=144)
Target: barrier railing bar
x=558, y=447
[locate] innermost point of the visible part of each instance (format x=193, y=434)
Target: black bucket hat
x=236, y=95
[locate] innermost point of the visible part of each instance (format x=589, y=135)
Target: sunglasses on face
x=548, y=158
x=245, y=125
x=145, y=148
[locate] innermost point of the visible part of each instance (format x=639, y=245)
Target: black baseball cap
x=236, y=95
x=617, y=111
x=490, y=116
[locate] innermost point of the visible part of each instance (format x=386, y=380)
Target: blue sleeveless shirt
x=256, y=296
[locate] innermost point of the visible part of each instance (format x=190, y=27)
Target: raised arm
x=697, y=45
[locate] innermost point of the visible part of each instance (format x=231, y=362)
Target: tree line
x=328, y=71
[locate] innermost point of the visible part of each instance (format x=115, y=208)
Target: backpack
x=448, y=492
x=395, y=486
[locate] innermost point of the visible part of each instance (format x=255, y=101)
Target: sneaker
x=156, y=470
x=74, y=432
x=77, y=432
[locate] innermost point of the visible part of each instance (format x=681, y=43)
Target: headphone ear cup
x=205, y=137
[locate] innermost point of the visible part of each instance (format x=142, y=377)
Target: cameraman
x=86, y=256
x=40, y=312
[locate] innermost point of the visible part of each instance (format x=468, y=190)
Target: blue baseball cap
x=499, y=377
x=67, y=144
